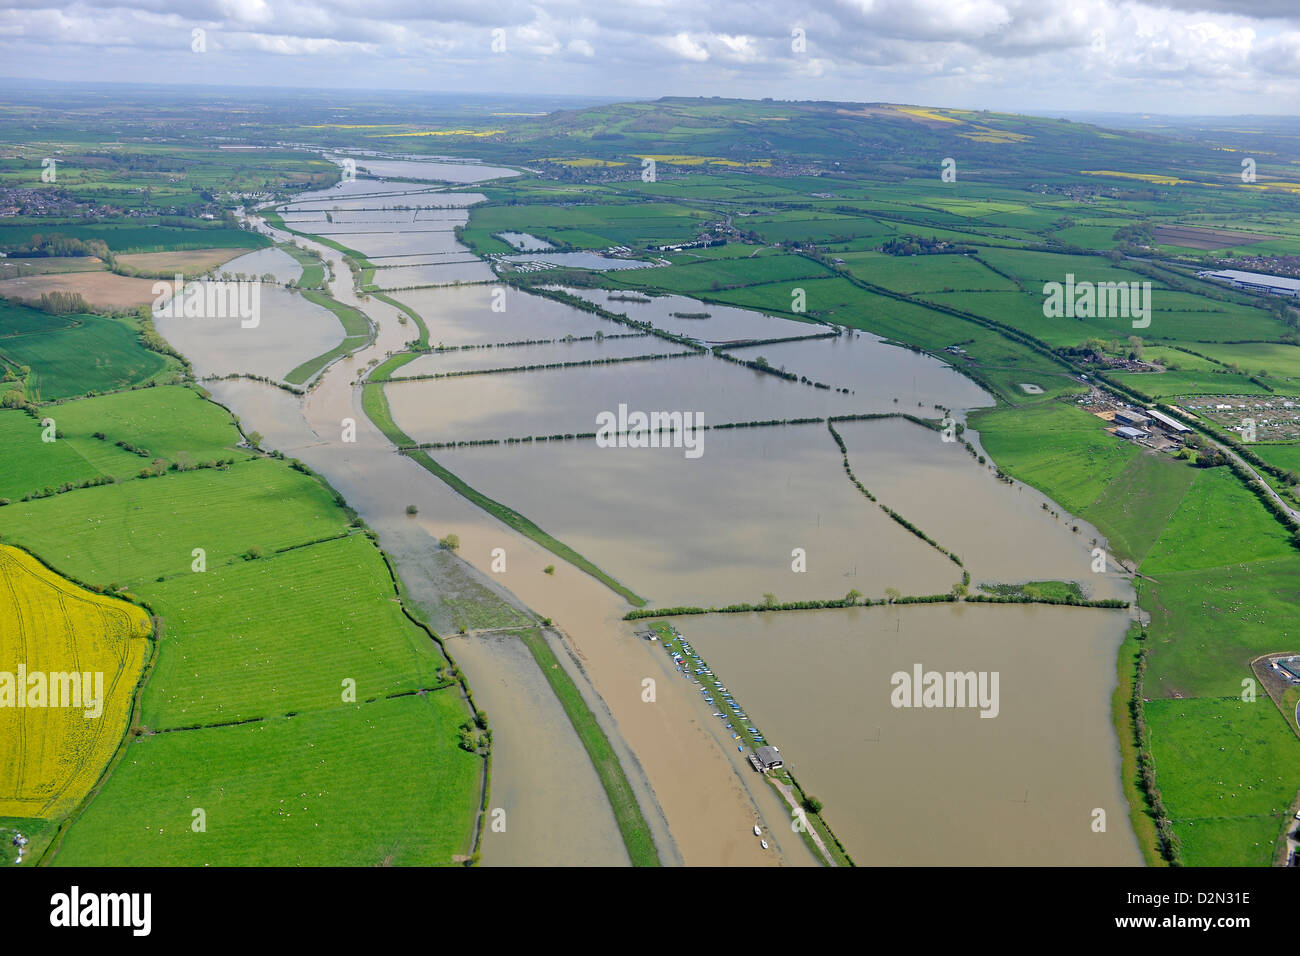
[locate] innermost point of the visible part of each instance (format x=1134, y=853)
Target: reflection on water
x=718, y=529
x=1000, y=531
x=289, y=331
x=279, y=263
x=567, y=401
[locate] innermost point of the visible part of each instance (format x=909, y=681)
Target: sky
x=1177, y=56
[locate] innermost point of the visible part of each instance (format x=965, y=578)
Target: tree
x=853, y=596
x=450, y=543
x=812, y=804
x=255, y=439
x=412, y=510
x=769, y=599
x=893, y=594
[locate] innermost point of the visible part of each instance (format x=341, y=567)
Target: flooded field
x=277, y=262
x=940, y=786
x=524, y=242
x=466, y=269
x=1000, y=531
x=465, y=172
x=718, y=529
x=340, y=223
x=517, y=356
x=724, y=323
x=464, y=316
x=412, y=242
x=715, y=530
x=579, y=260
x=568, y=401
x=355, y=193
x=290, y=330
x=556, y=812
x=862, y=363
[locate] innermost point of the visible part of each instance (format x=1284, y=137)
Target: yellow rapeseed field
x=55, y=746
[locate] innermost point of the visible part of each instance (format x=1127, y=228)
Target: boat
x=764, y=842
x=758, y=831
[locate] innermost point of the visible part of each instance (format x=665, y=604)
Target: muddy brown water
x=289, y=330
x=1022, y=791
x=569, y=400
x=940, y=786
x=1000, y=530
x=715, y=530
x=279, y=263
x=460, y=360
x=465, y=316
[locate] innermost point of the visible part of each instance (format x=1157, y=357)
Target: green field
x=134, y=531
x=1218, y=524
x=1061, y=450
x=322, y=613
x=76, y=355
x=1237, y=774
x=1134, y=507
x=366, y=784
x=177, y=423
x=1207, y=625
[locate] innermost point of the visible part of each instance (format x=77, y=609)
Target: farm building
x=1131, y=418
x=1167, y=423
x=1291, y=668
x=1124, y=431
x=1255, y=282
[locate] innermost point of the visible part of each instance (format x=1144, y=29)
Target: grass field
x=178, y=424
x=366, y=784
x=313, y=272
x=292, y=627
x=1061, y=450
x=53, y=750
x=239, y=638
x=1238, y=771
x=1218, y=524
x=1134, y=507
x=132, y=532
x=79, y=354
x=1207, y=625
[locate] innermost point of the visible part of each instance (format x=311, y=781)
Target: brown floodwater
x=682, y=774
x=442, y=273
x=569, y=400
x=715, y=530
x=465, y=316
x=289, y=330
x=1021, y=786
x=864, y=364
x=543, y=771
x=279, y=263
x=518, y=356
x=940, y=786
x=1000, y=531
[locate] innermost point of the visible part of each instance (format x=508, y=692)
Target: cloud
x=1163, y=55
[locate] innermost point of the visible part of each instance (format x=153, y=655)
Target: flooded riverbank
x=940, y=786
